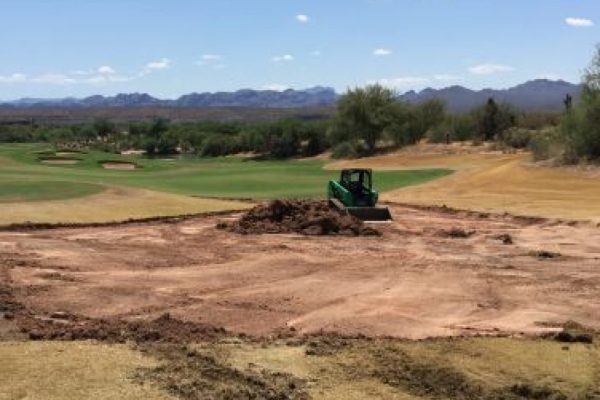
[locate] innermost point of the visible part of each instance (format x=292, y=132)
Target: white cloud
x=489, y=69
x=381, y=52
x=106, y=70
x=13, y=78
x=213, y=60
x=100, y=75
x=163, y=63
x=211, y=57
x=579, y=22
x=285, y=57
x=153, y=66
x=276, y=87
x=54, y=79
x=315, y=53
x=105, y=78
x=302, y=18
x=447, y=77
x=83, y=72
x=402, y=82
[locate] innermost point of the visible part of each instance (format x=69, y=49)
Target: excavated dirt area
x=433, y=272
x=300, y=216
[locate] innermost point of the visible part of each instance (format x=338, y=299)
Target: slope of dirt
x=300, y=216
x=491, y=181
x=421, y=278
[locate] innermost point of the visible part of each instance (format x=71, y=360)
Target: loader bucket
x=371, y=214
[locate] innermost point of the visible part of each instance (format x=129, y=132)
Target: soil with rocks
x=298, y=216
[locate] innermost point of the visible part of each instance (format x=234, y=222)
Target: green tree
x=104, y=127
x=430, y=114
x=581, y=124
x=365, y=113
x=494, y=119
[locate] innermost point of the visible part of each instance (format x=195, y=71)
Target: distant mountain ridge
x=290, y=98
x=536, y=95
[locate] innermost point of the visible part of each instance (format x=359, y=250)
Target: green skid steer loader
x=353, y=194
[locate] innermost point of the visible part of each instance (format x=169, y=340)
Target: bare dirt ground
x=433, y=272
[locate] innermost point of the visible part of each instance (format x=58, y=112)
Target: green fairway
x=24, y=177
x=11, y=191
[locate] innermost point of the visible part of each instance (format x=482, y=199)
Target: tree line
x=367, y=120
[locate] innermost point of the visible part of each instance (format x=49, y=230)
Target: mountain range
x=536, y=95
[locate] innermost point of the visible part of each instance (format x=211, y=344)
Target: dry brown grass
x=114, y=204
x=74, y=370
x=363, y=370
x=496, y=182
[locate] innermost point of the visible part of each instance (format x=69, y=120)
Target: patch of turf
x=26, y=190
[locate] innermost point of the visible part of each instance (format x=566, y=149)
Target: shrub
x=546, y=144
x=438, y=134
x=462, y=127
x=581, y=125
x=219, y=145
x=517, y=138
x=345, y=150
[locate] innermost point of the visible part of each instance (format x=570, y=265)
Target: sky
x=59, y=48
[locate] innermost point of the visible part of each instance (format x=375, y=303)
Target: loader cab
x=357, y=181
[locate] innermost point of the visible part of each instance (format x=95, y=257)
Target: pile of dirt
x=164, y=329
x=298, y=216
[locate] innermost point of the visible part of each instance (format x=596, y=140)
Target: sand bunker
x=298, y=216
x=60, y=161
x=127, y=166
x=66, y=153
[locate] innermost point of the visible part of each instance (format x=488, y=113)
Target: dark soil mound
x=164, y=329
x=298, y=216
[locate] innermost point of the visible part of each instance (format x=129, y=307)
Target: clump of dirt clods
x=545, y=254
x=573, y=332
x=164, y=329
x=456, y=233
x=505, y=238
x=298, y=216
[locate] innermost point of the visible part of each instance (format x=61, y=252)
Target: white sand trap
x=119, y=165
x=133, y=152
x=60, y=161
x=67, y=153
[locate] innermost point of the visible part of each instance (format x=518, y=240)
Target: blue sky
x=57, y=48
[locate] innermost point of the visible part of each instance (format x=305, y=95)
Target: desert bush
x=461, y=127
x=581, y=125
x=219, y=145
x=547, y=144
x=493, y=119
x=345, y=150
x=538, y=120
x=438, y=134
x=517, y=138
